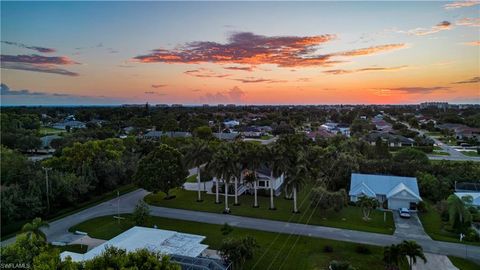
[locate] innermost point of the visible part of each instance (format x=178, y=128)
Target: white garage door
x=396, y=203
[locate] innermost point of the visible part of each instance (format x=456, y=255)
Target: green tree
x=412, y=250
x=34, y=228
x=393, y=257
x=141, y=214
x=203, y=132
x=161, y=170
x=367, y=204
x=223, y=167
x=409, y=161
x=24, y=250
x=198, y=153
x=459, y=218
x=327, y=200
x=238, y=251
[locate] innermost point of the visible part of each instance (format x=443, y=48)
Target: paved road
x=454, y=154
x=58, y=230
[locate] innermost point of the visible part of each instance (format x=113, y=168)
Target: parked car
x=404, y=212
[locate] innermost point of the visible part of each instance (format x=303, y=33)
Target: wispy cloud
x=372, y=50
x=250, y=49
x=472, y=43
x=205, y=73
x=38, y=63
x=441, y=26
x=419, y=90
x=369, y=69
x=248, y=68
x=38, y=68
x=472, y=80
x=35, y=48
x=154, y=93
x=460, y=4
x=158, y=85
x=469, y=22
x=234, y=94
x=258, y=80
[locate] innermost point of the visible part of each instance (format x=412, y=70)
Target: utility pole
x=47, y=186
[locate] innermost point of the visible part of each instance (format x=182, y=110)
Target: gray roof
x=388, y=185
x=392, y=138
x=225, y=136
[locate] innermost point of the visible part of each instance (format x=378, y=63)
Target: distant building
x=231, y=105
x=69, y=124
x=462, y=132
x=231, y=123
x=226, y=136
x=320, y=133
x=397, y=192
x=47, y=140
x=466, y=196
x=392, y=140
x=436, y=105
x=177, y=105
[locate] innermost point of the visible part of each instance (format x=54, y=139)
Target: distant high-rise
x=438, y=105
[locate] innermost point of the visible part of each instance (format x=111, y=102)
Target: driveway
x=434, y=262
x=409, y=227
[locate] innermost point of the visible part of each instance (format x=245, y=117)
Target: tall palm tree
x=412, y=250
x=298, y=177
x=196, y=154
x=274, y=157
x=223, y=167
x=253, y=160
x=34, y=228
x=239, y=159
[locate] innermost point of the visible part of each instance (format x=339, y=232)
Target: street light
x=47, y=186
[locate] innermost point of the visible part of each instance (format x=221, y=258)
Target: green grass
x=50, y=131
x=437, y=148
x=266, y=137
x=440, y=153
x=348, y=218
x=433, y=133
x=10, y=230
x=463, y=264
x=279, y=250
x=435, y=227
x=191, y=179
x=470, y=153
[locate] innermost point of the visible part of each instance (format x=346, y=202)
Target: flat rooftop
x=164, y=241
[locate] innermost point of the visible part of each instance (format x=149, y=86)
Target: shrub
x=361, y=249
x=328, y=249
x=421, y=207
x=471, y=235
x=226, y=229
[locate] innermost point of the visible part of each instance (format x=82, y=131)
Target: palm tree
x=412, y=250
x=298, y=177
x=392, y=257
x=223, y=167
x=278, y=165
x=34, y=228
x=239, y=159
x=367, y=204
x=197, y=154
x=253, y=159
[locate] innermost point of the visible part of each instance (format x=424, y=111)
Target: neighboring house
x=396, y=191
x=185, y=249
x=231, y=123
x=336, y=128
x=69, y=124
x=392, y=140
x=265, y=181
x=46, y=140
x=226, y=136
x=320, y=133
x=462, y=132
x=155, y=135
x=474, y=196
x=251, y=132
x=128, y=130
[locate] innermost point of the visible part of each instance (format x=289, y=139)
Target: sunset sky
x=245, y=53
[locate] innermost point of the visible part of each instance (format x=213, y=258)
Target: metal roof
x=164, y=241
x=383, y=184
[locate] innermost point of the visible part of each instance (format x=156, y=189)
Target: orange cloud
x=469, y=22
x=460, y=4
x=369, y=69
x=205, y=73
x=441, y=26
x=372, y=50
x=472, y=43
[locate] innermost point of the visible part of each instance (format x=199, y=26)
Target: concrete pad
x=434, y=262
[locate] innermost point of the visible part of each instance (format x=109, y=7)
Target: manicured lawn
x=191, y=179
x=50, y=131
x=277, y=251
x=437, y=148
x=266, y=137
x=463, y=264
x=433, y=133
x=435, y=227
x=348, y=218
x=470, y=153
x=440, y=153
